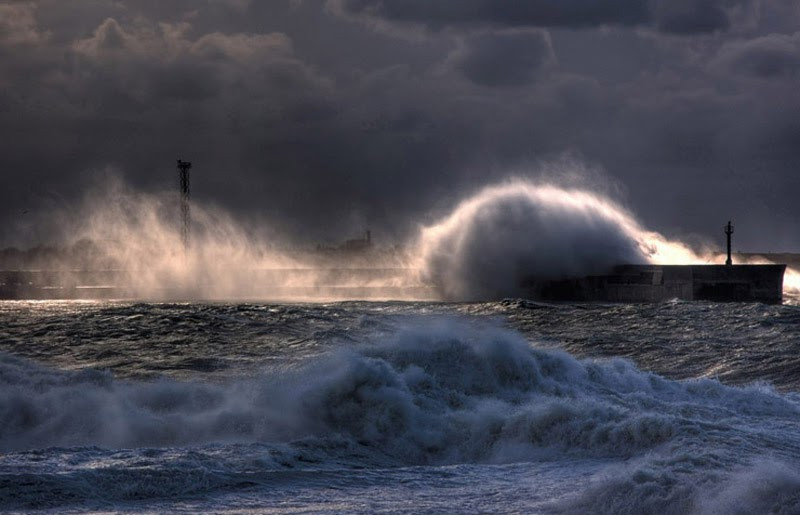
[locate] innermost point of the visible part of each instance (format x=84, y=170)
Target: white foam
x=519, y=230
x=442, y=392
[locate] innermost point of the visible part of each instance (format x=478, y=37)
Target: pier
x=658, y=283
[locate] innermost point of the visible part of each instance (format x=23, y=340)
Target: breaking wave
x=446, y=392
x=507, y=234
x=495, y=240
x=442, y=392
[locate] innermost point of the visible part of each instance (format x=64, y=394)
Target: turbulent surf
x=511, y=406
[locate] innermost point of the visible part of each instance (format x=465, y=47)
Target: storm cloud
x=327, y=118
x=503, y=59
x=678, y=16
x=773, y=56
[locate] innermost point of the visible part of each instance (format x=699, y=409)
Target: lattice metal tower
x=183, y=175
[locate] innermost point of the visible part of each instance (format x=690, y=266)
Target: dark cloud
x=292, y=113
x=690, y=16
x=768, y=57
x=18, y=24
x=509, y=13
x=673, y=16
x=503, y=59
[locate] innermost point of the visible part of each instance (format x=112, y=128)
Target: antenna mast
x=183, y=175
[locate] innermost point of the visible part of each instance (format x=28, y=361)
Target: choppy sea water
x=505, y=407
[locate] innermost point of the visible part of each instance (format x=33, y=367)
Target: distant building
x=358, y=243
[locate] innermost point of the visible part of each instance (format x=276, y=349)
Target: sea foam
x=444, y=392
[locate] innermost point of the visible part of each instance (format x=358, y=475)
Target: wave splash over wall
x=515, y=231
x=506, y=234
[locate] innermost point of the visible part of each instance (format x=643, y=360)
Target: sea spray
x=505, y=235
x=136, y=238
x=492, y=242
x=487, y=248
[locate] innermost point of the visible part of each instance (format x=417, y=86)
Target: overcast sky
x=328, y=117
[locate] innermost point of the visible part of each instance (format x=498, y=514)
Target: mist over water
x=139, y=235
x=142, y=233
x=486, y=248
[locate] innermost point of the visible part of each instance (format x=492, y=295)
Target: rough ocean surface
x=506, y=407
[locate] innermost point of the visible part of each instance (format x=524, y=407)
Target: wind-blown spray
x=495, y=240
x=135, y=235
x=486, y=248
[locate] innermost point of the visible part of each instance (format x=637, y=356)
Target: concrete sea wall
x=656, y=283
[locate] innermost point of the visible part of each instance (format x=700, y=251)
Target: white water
x=404, y=407
x=519, y=230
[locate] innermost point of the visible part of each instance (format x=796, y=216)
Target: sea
x=399, y=407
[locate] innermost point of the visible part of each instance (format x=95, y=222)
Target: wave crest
x=443, y=392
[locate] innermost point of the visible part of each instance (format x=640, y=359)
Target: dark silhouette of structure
x=660, y=283
x=355, y=245
x=358, y=243
x=728, y=232
x=183, y=174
